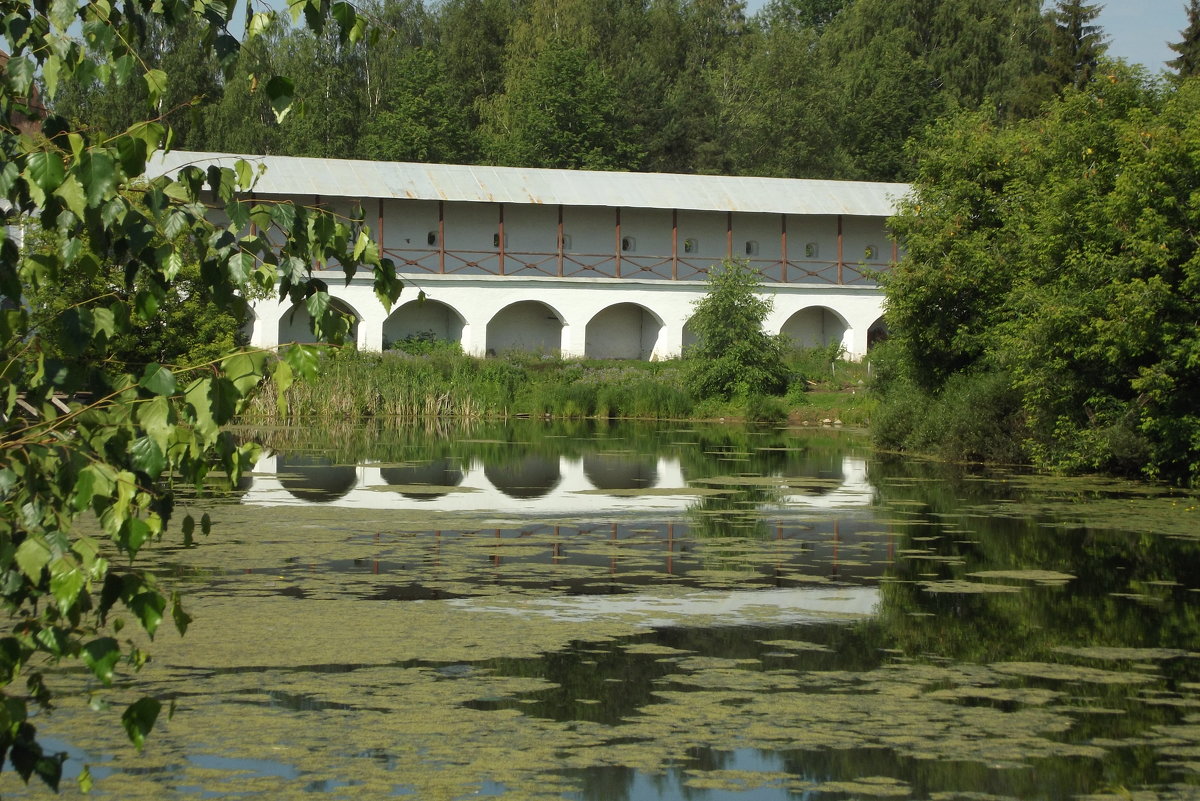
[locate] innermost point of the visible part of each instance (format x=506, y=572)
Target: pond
x=619, y=611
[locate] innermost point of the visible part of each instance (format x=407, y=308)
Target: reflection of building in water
x=529, y=485
x=589, y=517
x=699, y=607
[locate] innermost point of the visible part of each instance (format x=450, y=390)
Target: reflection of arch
x=419, y=317
x=526, y=325
x=622, y=331
x=315, y=478
x=877, y=333
x=619, y=471
x=436, y=473
x=296, y=324
x=530, y=477
x=815, y=327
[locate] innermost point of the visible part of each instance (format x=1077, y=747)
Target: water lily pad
x=1040, y=576
x=1056, y=672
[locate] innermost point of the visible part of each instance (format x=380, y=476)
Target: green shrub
x=733, y=356
x=765, y=409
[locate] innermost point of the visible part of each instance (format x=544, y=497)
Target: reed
x=444, y=383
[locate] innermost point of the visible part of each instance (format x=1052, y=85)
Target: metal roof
x=330, y=178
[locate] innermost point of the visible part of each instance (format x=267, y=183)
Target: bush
x=734, y=357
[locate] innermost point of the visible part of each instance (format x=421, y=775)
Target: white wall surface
x=479, y=301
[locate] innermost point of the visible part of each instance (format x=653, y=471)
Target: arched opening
x=315, y=479
x=528, y=477
x=877, y=333
x=527, y=325
x=613, y=471
x=690, y=337
x=296, y=324
x=422, y=320
x=249, y=324
x=623, y=331
x=445, y=472
x=815, y=327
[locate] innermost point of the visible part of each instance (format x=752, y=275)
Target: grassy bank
x=443, y=382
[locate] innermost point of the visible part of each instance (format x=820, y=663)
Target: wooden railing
x=610, y=265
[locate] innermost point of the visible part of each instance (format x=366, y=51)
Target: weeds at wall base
x=444, y=382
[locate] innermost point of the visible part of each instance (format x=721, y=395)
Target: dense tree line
x=803, y=88
x=1048, y=309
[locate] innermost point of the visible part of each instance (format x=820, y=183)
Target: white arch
x=295, y=324
x=418, y=317
x=690, y=337
x=525, y=325
x=816, y=327
x=622, y=331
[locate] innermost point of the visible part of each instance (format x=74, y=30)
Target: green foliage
x=804, y=88
x=1054, y=255
x=424, y=343
x=733, y=355
x=133, y=428
x=418, y=120
x=188, y=328
x=115, y=100
x=560, y=110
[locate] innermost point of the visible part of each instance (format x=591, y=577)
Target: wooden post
x=560, y=240
x=783, y=256
x=316, y=204
x=895, y=251
x=441, y=236
x=381, y=227
x=729, y=234
x=840, y=261
x=500, y=237
x=618, y=230
x=674, y=244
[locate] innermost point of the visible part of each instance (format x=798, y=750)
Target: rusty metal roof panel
x=287, y=175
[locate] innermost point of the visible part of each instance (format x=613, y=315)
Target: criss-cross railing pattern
x=610, y=265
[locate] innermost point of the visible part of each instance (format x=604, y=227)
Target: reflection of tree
x=733, y=513
x=1028, y=625
x=745, y=455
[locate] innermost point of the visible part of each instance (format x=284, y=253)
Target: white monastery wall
x=524, y=292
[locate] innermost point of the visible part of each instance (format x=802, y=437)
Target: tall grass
x=446, y=383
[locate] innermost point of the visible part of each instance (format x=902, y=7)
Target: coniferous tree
x=1187, y=63
x=1076, y=43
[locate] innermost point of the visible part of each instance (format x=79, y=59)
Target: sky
x=1138, y=30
